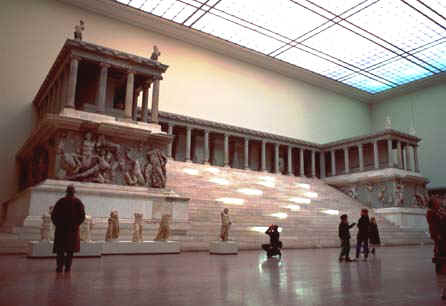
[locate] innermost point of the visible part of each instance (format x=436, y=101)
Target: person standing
x=344, y=235
x=374, y=238
x=363, y=233
x=67, y=216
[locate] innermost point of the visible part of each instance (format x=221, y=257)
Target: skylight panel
x=397, y=23
x=235, y=33
x=280, y=16
x=434, y=9
x=349, y=47
x=367, y=84
x=314, y=63
x=434, y=55
x=338, y=7
x=401, y=71
x=163, y=8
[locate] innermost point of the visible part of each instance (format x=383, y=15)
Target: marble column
x=145, y=100
x=155, y=100
x=276, y=158
x=188, y=142
x=226, y=161
x=399, y=157
x=415, y=159
x=72, y=82
x=375, y=154
x=346, y=160
x=408, y=163
x=246, y=154
x=102, y=88
x=129, y=94
x=169, y=132
x=290, y=161
x=135, y=105
x=206, y=147
x=263, y=157
x=333, y=162
x=361, y=157
x=302, y=162
x=66, y=75
x=313, y=163
x=390, y=152
x=323, y=170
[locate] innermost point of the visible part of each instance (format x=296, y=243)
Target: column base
x=188, y=161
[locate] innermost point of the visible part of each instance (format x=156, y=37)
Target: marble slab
x=39, y=249
x=223, y=247
x=146, y=247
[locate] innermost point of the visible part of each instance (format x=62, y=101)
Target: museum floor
x=397, y=276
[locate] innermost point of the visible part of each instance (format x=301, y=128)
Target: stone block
x=146, y=247
x=39, y=249
x=223, y=247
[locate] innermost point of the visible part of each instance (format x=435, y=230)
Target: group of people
x=367, y=232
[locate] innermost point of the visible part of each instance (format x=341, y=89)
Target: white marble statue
x=164, y=229
x=47, y=226
x=138, y=228
x=225, y=224
x=388, y=122
x=113, y=226
x=86, y=228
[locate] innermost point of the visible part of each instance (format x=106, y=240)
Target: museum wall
x=426, y=110
x=199, y=83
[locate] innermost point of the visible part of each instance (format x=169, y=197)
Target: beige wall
x=426, y=111
x=198, y=83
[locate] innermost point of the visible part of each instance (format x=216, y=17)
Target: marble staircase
x=306, y=209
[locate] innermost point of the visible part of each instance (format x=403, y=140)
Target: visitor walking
x=67, y=215
x=344, y=235
x=374, y=238
x=363, y=233
x=273, y=248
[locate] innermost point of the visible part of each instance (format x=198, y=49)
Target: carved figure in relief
x=86, y=228
x=353, y=192
x=113, y=226
x=155, y=169
x=225, y=224
x=47, y=226
x=382, y=193
x=78, y=30
x=164, y=229
x=399, y=194
x=134, y=176
x=138, y=228
x=155, y=54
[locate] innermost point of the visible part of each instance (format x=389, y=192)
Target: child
x=374, y=235
x=344, y=235
x=363, y=233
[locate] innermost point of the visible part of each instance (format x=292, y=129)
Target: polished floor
x=396, y=276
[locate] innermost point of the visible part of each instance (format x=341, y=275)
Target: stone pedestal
x=413, y=218
x=223, y=247
x=146, y=247
x=41, y=249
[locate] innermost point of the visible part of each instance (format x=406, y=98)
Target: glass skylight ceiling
x=372, y=45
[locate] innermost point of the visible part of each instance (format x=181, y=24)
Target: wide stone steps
x=267, y=202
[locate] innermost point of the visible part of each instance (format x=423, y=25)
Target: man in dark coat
x=67, y=215
x=273, y=248
x=344, y=235
x=363, y=233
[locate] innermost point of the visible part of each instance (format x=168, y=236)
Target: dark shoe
x=68, y=269
x=59, y=270
x=373, y=251
x=341, y=259
x=348, y=259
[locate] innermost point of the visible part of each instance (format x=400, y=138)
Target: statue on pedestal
x=225, y=224
x=85, y=229
x=388, y=123
x=47, y=226
x=155, y=54
x=164, y=229
x=138, y=228
x=78, y=30
x=113, y=226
